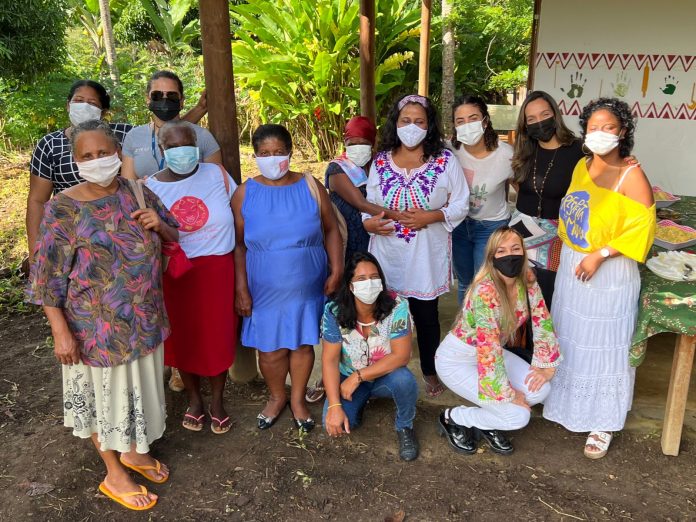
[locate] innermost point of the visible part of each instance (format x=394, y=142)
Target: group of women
x=154, y=267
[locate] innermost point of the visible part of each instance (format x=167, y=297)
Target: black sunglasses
x=170, y=95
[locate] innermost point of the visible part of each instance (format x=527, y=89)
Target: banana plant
x=167, y=17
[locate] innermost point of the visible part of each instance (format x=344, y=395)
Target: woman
x=165, y=100
x=607, y=224
x=200, y=303
x=366, y=340
x=486, y=164
x=499, y=309
x=281, y=270
x=97, y=275
x=415, y=175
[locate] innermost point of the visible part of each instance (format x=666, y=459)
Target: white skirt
x=594, y=321
x=123, y=404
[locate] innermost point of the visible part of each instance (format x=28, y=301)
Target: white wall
x=609, y=44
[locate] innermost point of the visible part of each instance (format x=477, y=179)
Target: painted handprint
x=622, y=84
x=670, y=85
x=577, y=85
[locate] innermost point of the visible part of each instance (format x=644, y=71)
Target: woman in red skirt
x=200, y=303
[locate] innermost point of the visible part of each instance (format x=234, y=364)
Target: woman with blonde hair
x=500, y=310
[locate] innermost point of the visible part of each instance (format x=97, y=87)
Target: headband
x=413, y=98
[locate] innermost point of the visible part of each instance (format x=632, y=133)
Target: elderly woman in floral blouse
x=501, y=310
x=97, y=274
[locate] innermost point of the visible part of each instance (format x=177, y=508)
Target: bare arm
x=40, y=191
x=638, y=188
x=66, y=347
x=336, y=422
x=242, y=299
x=341, y=185
x=332, y=241
x=128, y=167
x=215, y=157
x=199, y=110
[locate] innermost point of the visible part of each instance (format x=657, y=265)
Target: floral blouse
x=104, y=271
x=356, y=351
x=479, y=326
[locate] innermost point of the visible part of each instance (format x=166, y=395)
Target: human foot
x=597, y=444
x=270, y=413
x=122, y=489
x=148, y=466
x=220, y=421
x=193, y=418
x=433, y=386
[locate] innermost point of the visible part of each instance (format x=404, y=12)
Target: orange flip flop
x=119, y=498
x=143, y=469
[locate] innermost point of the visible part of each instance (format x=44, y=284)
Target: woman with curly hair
x=607, y=225
x=417, y=176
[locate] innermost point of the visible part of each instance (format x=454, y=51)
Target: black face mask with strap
x=165, y=109
x=542, y=130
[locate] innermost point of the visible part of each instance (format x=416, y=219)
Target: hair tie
x=413, y=98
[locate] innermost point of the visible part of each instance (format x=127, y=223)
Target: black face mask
x=510, y=266
x=542, y=130
x=165, y=109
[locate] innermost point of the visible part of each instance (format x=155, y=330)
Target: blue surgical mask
x=181, y=160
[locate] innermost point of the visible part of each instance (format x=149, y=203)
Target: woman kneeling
x=366, y=346
x=473, y=363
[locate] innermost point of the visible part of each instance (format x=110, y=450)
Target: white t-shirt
x=201, y=205
x=486, y=178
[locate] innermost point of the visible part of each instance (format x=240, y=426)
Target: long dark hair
x=490, y=137
x=104, y=98
x=525, y=146
x=432, y=144
x=622, y=111
x=345, y=300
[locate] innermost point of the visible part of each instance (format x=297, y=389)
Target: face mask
x=601, y=142
x=367, y=291
x=542, y=130
x=165, y=109
x=411, y=135
x=509, y=266
x=101, y=171
x=81, y=112
x=181, y=160
x=273, y=167
x=359, y=154
x=470, y=133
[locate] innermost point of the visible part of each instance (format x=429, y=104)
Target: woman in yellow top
x=607, y=225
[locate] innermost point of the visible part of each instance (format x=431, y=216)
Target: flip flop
x=315, y=393
x=433, y=391
x=221, y=429
x=143, y=469
x=601, y=441
x=119, y=498
x=198, y=419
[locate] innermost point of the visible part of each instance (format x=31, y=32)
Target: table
x=670, y=306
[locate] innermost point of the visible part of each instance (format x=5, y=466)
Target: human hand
x=520, y=400
x=378, y=225
x=537, y=377
x=332, y=283
x=588, y=266
x=416, y=218
x=148, y=219
x=632, y=161
x=242, y=303
x=349, y=386
x=65, y=347
x=336, y=422
x=531, y=276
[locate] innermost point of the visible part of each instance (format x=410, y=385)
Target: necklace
x=540, y=191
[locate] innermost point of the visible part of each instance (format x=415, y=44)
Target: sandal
x=120, y=498
x=316, y=392
x=175, y=382
x=599, y=440
x=433, y=391
x=144, y=469
x=224, y=425
x=198, y=420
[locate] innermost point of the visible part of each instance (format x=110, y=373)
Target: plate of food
x=675, y=266
x=672, y=236
x=663, y=198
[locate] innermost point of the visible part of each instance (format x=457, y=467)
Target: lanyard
x=154, y=151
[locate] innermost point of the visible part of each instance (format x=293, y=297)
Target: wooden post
x=222, y=118
x=424, y=55
x=533, y=46
x=677, y=394
x=368, y=100
x=448, y=50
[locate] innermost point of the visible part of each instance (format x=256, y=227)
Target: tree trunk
x=109, y=44
x=448, y=48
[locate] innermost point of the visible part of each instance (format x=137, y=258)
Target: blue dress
x=286, y=266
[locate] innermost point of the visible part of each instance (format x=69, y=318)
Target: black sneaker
x=408, y=445
x=497, y=440
x=459, y=437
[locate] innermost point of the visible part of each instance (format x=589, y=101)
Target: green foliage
x=134, y=26
x=179, y=32
x=12, y=286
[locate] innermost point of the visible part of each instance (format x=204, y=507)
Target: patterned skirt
x=123, y=404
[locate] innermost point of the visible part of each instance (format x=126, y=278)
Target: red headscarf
x=360, y=127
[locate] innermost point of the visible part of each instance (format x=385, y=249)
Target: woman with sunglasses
x=142, y=156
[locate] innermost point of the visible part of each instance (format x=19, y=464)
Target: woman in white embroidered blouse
x=416, y=176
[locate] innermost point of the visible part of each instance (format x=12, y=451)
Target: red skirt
x=200, y=305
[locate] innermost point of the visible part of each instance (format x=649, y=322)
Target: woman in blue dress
x=284, y=238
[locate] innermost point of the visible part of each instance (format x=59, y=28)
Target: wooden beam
x=677, y=394
x=368, y=98
x=424, y=55
x=533, y=46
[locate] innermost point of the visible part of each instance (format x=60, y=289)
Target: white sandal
x=599, y=440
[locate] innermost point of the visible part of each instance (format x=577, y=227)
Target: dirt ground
x=47, y=474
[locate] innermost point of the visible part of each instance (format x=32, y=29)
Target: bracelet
x=332, y=405
x=360, y=379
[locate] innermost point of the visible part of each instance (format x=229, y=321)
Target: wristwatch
x=605, y=253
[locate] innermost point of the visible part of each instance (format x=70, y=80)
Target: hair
x=622, y=111
x=271, y=130
x=525, y=146
x=508, y=321
x=490, y=137
x=104, y=98
x=176, y=126
x=432, y=144
x=345, y=300
x=93, y=125
x=170, y=76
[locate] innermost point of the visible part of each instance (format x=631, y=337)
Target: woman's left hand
x=416, y=218
x=537, y=377
x=588, y=266
x=349, y=386
x=148, y=219
x=332, y=283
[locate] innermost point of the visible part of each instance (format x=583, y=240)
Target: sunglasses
x=160, y=95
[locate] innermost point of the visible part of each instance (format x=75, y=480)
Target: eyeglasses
x=160, y=95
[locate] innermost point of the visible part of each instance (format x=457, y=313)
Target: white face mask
x=273, y=167
x=81, y=112
x=470, y=133
x=411, y=135
x=601, y=142
x=359, y=154
x=367, y=291
x=101, y=171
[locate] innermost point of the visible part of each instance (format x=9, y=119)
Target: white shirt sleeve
x=458, y=204
x=372, y=188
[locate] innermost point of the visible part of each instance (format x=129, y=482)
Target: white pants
x=457, y=368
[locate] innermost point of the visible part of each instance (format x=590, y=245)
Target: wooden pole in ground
x=682, y=364
x=222, y=119
x=534, y=45
x=368, y=100
x=424, y=56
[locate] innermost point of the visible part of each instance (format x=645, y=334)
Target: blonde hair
x=508, y=321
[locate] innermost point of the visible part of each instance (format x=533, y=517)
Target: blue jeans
x=399, y=385
x=468, y=247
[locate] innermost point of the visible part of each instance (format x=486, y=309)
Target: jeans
x=468, y=247
x=399, y=385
